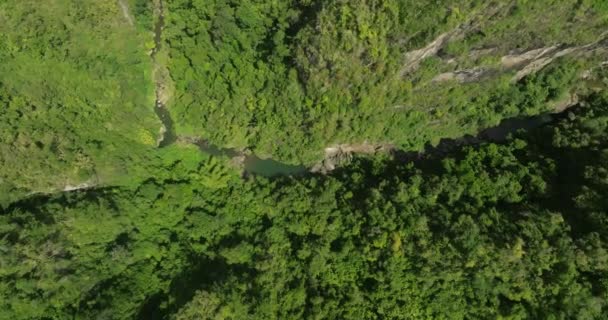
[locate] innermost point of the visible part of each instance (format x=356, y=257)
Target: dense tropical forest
x=303, y=159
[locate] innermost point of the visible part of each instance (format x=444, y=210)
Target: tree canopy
x=102, y=216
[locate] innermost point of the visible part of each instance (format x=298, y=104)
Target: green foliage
x=75, y=95
x=97, y=222
x=287, y=79
x=487, y=232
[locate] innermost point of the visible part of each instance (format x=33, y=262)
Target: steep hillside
x=288, y=79
x=75, y=95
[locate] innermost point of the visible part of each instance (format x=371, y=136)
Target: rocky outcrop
x=82, y=186
x=463, y=76
x=515, y=60
x=524, y=63
x=566, y=103
x=412, y=59
x=548, y=55
x=125, y=11
x=91, y=183
x=343, y=153
x=535, y=65
x=161, y=134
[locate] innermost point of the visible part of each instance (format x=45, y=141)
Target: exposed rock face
x=161, y=134
x=542, y=61
x=414, y=58
x=463, y=76
x=343, y=154
x=164, y=85
x=525, y=63
x=515, y=60
x=566, y=103
x=535, y=60
x=81, y=186
x=125, y=11
x=93, y=182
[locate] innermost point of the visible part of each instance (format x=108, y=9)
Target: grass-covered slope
x=76, y=95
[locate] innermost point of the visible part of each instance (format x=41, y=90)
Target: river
x=269, y=167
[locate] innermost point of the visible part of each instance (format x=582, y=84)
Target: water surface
x=252, y=163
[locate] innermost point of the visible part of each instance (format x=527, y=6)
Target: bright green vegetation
x=513, y=231
x=284, y=79
x=99, y=220
x=76, y=96
x=289, y=78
